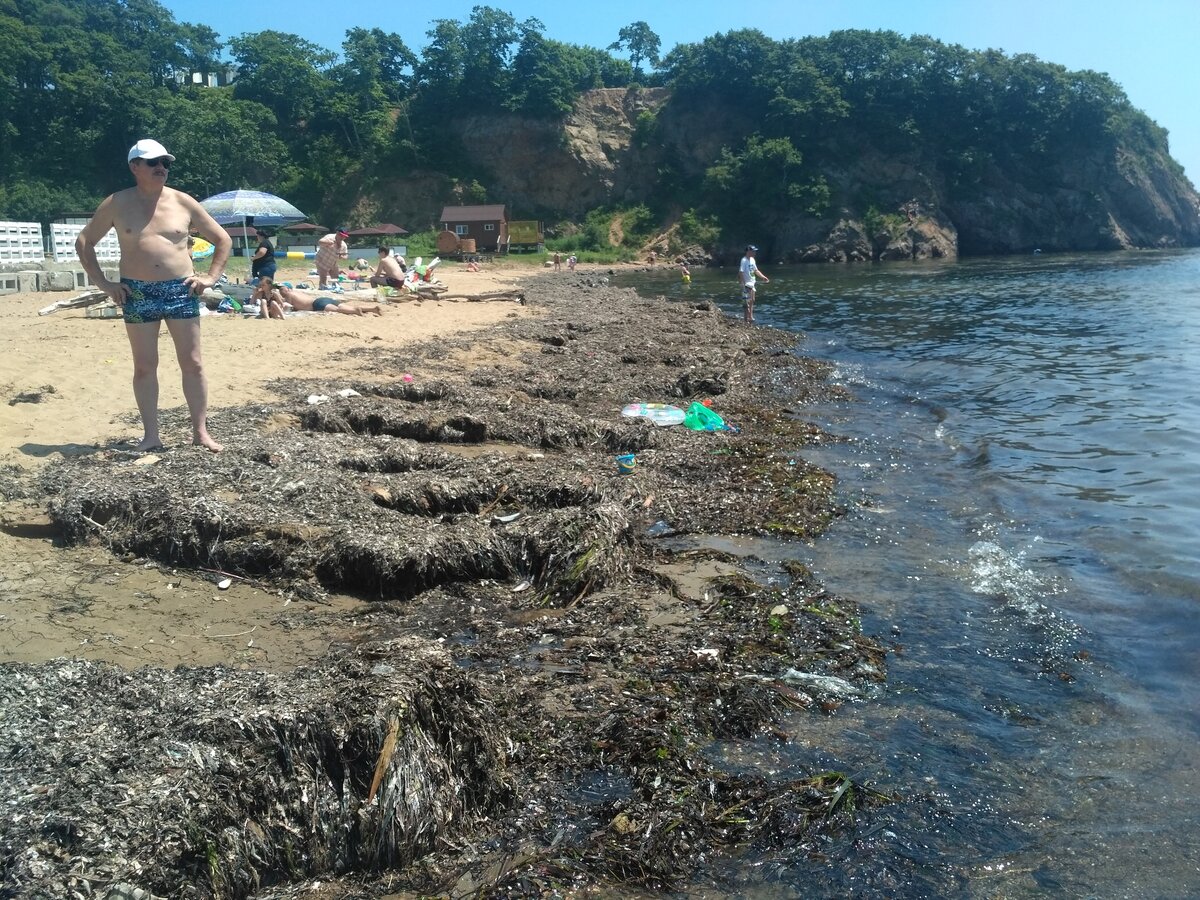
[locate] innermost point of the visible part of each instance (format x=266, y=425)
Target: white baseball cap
x=148, y=149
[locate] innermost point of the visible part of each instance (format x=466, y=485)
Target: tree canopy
x=80, y=80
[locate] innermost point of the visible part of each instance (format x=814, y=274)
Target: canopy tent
x=387, y=229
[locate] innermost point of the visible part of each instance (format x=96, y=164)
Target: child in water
x=684, y=273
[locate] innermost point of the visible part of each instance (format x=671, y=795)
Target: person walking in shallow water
x=748, y=272
x=158, y=281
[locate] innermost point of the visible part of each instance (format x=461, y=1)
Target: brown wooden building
x=487, y=225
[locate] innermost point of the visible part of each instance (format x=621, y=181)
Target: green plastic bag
x=700, y=418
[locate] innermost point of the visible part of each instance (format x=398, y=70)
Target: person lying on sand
x=307, y=301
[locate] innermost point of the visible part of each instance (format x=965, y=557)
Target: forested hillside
x=855, y=145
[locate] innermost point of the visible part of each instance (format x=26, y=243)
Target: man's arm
x=215, y=235
x=93, y=232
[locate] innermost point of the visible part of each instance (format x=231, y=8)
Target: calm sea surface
x=1023, y=479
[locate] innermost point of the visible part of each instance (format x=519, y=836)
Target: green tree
x=641, y=43
x=256, y=158
x=766, y=176
x=282, y=72
x=489, y=41
x=439, y=74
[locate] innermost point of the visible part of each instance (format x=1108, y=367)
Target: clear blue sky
x=1151, y=48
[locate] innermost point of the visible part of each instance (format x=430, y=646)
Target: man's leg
x=186, y=335
x=748, y=305
x=143, y=341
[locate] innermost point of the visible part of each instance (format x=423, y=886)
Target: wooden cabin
x=487, y=226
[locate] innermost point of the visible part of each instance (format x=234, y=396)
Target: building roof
x=304, y=226
x=238, y=231
x=473, y=213
x=387, y=228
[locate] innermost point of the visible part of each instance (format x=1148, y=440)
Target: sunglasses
x=157, y=161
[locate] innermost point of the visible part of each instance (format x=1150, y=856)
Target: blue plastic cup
x=626, y=464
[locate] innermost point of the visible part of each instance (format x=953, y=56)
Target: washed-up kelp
x=215, y=782
x=480, y=505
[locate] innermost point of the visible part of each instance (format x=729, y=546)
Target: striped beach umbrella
x=257, y=207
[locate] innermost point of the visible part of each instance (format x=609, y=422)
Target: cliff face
x=611, y=148
x=1099, y=202
x=561, y=170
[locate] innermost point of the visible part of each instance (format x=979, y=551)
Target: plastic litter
x=700, y=418
x=660, y=529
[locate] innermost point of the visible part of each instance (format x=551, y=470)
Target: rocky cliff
x=610, y=150
x=562, y=169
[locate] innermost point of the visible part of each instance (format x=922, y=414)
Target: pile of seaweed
x=599, y=648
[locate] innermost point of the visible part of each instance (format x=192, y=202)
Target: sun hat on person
x=148, y=149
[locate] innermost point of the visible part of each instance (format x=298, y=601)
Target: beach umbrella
x=258, y=207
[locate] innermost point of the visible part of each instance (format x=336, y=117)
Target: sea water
x=1022, y=476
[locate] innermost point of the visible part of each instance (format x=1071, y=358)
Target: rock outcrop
x=613, y=146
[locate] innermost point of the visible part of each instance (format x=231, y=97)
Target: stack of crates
x=20, y=242
x=20, y=246
x=62, y=238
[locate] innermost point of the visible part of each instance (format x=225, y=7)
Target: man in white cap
x=158, y=281
x=748, y=273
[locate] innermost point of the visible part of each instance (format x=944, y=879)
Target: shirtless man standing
x=158, y=281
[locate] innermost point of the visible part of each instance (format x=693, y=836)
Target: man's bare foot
x=204, y=440
x=147, y=444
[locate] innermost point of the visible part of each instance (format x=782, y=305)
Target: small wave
x=850, y=373
x=995, y=571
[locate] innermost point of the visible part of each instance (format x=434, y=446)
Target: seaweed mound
x=216, y=782
x=597, y=633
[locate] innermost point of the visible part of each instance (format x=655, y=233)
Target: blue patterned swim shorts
x=153, y=301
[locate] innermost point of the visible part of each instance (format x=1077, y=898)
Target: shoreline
x=488, y=548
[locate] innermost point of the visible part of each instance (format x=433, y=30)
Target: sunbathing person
x=268, y=298
x=311, y=302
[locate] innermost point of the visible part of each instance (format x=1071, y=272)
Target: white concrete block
x=58, y=280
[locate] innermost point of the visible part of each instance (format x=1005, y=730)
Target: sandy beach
x=78, y=368
x=65, y=386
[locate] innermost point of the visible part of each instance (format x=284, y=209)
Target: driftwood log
x=87, y=298
x=514, y=295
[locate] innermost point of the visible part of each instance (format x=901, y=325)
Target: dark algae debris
x=549, y=648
